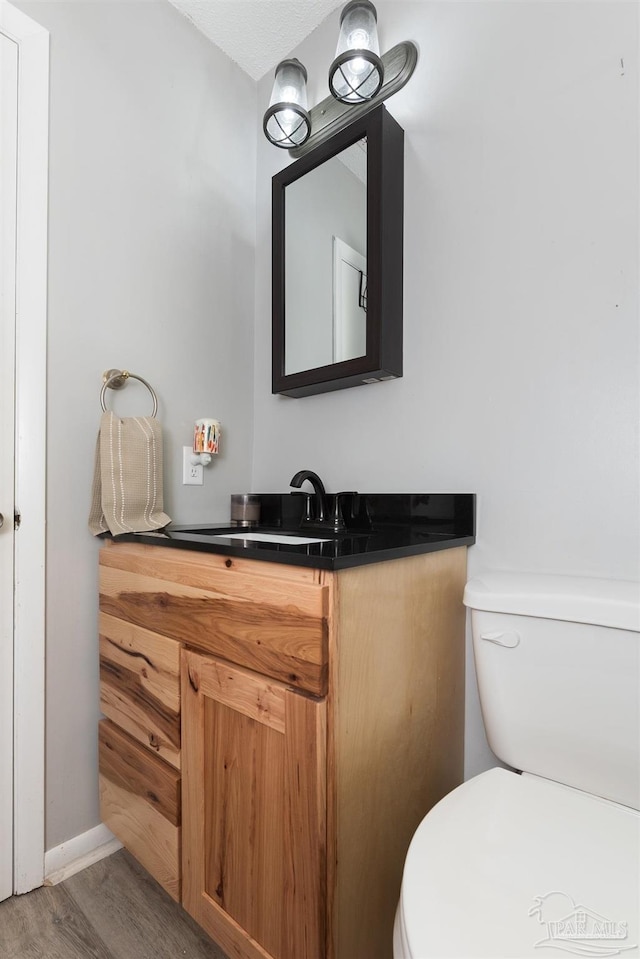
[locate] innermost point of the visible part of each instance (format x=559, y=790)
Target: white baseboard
x=75, y=854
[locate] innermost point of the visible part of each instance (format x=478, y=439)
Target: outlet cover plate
x=192, y=473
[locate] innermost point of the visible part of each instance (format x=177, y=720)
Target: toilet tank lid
x=577, y=599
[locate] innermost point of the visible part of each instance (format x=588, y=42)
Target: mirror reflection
x=326, y=266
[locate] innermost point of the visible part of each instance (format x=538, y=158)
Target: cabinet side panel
x=397, y=718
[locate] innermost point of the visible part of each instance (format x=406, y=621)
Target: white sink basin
x=272, y=538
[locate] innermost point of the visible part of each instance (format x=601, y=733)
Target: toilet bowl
x=545, y=861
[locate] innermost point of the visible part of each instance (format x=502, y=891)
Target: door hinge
x=16, y=519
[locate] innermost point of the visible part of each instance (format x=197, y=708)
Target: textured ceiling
x=257, y=34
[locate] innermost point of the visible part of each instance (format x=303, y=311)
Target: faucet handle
x=355, y=510
x=346, y=497
x=342, y=500
x=337, y=519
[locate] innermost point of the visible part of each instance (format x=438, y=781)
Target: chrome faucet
x=318, y=487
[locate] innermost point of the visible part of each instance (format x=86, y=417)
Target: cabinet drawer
x=140, y=803
x=273, y=623
x=140, y=685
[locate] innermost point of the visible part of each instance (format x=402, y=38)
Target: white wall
x=151, y=264
x=521, y=291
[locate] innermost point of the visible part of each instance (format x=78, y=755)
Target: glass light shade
x=286, y=123
x=357, y=72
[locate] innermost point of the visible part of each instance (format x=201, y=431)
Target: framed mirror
x=337, y=261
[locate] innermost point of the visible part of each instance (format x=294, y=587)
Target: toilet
x=543, y=858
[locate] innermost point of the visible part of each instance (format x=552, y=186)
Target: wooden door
x=254, y=811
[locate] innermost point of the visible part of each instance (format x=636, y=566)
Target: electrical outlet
x=192, y=473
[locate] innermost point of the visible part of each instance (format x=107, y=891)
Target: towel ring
x=116, y=379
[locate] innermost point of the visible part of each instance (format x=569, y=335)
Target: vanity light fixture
x=359, y=80
x=357, y=72
x=287, y=123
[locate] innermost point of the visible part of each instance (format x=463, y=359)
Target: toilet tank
x=558, y=666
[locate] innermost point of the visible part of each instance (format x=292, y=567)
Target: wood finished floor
x=112, y=910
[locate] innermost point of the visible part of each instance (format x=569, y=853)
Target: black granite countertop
x=400, y=524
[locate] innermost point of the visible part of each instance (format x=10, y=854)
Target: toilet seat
x=505, y=863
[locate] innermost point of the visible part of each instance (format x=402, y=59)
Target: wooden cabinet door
x=254, y=811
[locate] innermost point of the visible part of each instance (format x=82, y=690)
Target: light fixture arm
x=330, y=116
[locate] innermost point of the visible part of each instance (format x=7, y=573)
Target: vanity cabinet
x=319, y=716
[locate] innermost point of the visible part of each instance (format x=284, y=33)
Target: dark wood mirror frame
x=385, y=209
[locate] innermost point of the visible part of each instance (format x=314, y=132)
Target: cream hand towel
x=127, y=483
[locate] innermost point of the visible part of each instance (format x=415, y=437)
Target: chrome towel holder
x=116, y=379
